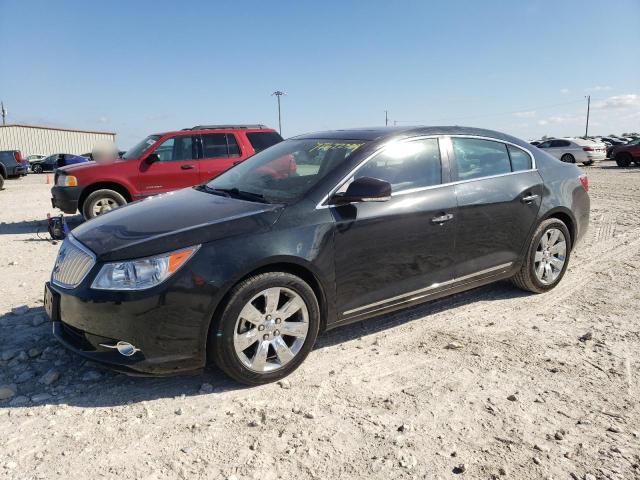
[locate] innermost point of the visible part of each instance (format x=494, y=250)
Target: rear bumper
x=66, y=198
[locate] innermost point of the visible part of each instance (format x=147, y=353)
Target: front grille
x=72, y=265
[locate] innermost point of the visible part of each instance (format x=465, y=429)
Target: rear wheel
x=267, y=328
x=588, y=162
x=623, y=159
x=37, y=168
x=101, y=201
x=547, y=257
x=568, y=158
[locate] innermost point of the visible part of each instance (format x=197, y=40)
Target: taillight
x=588, y=149
x=18, y=156
x=584, y=180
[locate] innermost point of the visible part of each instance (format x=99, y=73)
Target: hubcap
x=550, y=256
x=271, y=329
x=104, y=205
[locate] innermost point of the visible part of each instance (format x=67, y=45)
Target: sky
x=139, y=67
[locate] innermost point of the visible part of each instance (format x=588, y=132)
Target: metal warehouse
x=32, y=139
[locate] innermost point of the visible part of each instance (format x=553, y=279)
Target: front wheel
x=568, y=158
x=547, y=257
x=37, y=168
x=267, y=328
x=102, y=201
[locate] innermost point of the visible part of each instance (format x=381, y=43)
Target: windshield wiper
x=236, y=193
x=206, y=188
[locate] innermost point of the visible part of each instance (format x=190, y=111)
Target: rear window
x=7, y=157
x=261, y=140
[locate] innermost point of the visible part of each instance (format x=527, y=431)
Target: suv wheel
x=568, y=158
x=1, y=182
x=623, y=159
x=267, y=328
x=547, y=257
x=101, y=201
x=37, y=168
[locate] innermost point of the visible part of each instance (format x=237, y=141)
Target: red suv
x=159, y=163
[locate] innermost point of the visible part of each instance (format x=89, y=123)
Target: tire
x=587, y=163
x=239, y=363
x=567, y=158
x=623, y=160
x=37, y=168
x=526, y=278
x=1, y=182
x=101, y=201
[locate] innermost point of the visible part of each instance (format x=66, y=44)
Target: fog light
x=124, y=348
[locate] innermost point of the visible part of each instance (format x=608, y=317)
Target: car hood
x=172, y=221
x=89, y=164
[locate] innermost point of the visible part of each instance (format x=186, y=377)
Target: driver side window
x=176, y=149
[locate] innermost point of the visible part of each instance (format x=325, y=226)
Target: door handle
x=187, y=167
x=529, y=198
x=442, y=218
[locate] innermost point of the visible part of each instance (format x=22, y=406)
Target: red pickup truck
x=160, y=163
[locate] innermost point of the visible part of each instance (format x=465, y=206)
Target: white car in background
x=575, y=150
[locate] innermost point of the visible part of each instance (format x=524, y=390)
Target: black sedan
x=318, y=231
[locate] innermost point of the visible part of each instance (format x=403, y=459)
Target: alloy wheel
x=271, y=329
x=104, y=205
x=550, y=256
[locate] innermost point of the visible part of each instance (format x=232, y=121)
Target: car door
x=385, y=252
x=499, y=193
x=177, y=166
x=220, y=152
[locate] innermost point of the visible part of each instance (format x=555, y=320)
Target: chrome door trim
x=421, y=293
x=445, y=144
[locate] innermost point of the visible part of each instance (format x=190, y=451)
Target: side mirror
x=364, y=189
x=152, y=158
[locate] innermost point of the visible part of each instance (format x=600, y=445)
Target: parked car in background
x=12, y=164
x=247, y=269
x=575, y=150
x=158, y=164
x=624, y=155
x=57, y=160
x=34, y=158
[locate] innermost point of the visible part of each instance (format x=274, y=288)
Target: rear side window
x=261, y=140
x=219, y=145
x=476, y=158
x=406, y=165
x=559, y=143
x=520, y=160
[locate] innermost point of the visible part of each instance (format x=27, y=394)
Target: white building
x=32, y=139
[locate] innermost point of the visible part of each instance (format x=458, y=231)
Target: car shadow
x=38, y=227
x=42, y=372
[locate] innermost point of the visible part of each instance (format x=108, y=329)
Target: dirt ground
x=541, y=386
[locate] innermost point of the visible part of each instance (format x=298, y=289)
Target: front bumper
x=169, y=331
x=65, y=198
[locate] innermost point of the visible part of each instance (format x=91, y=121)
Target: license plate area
x=51, y=303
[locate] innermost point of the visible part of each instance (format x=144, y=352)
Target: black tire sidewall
x=36, y=169
x=221, y=335
x=542, y=228
x=570, y=158
x=623, y=160
x=87, y=206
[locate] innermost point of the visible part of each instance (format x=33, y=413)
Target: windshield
x=140, y=148
x=286, y=171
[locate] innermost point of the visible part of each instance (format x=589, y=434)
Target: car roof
x=231, y=127
x=382, y=133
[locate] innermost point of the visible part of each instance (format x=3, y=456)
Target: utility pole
x=278, y=94
x=386, y=118
x=586, y=130
x=4, y=113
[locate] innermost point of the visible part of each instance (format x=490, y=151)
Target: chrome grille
x=72, y=265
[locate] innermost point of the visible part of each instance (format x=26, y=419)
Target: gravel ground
x=491, y=383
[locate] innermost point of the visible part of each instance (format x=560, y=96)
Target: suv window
x=261, y=140
x=220, y=145
x=520, y=160
x=476, y=158
x=406, y=165
x=559, y=143
x=176, y=149
x=7, y=157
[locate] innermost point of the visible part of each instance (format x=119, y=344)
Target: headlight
x=142, y=273
x=67, y=181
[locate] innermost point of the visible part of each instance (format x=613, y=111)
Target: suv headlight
x=67, y=181
x=141, y=273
